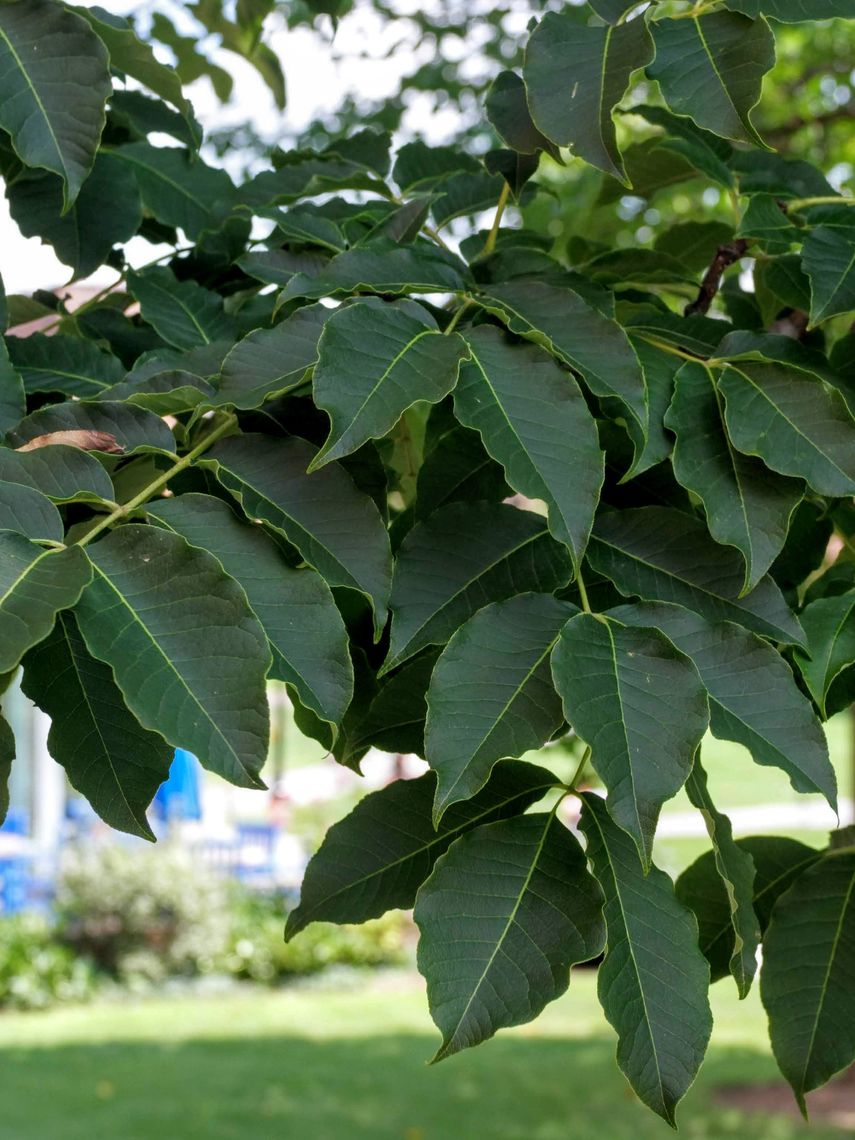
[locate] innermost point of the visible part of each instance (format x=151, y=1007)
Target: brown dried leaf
x=85, y=440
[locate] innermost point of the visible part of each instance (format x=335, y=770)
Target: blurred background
x=147, y=990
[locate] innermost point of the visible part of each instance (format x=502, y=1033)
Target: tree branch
x=725, y=255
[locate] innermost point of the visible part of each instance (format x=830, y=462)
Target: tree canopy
x=581, y=472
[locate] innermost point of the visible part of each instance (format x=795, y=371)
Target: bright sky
x=317, y=73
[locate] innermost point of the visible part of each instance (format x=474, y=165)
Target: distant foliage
x=463, y=490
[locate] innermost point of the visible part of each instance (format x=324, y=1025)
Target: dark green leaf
x=178, y=190
x=278, y=266
x=491, y=693
x=165, y=393
x=754, y=699
x=182, y=312
x=504, y=915
x=660, y=554
x=793, y=422
x=394, y=720
x=186, y=650
x=653, y=981
x=295, y=607
x=29, y=512
x=382, y=267
x=336, y=528
x=704, y=151
x=575, y=76
x=808, y=978
x=458, y=468
x=711, y=68
x=566, y=323
x=419, y=166
x=375, y=360
x=746, y=505
x=54, y=82
x=828, y=257
x=735, y=868
x=534, y=420
x=268, y=362
x=507, y=109
x=34, y=585
x=829, y=624
x=64, y=474
x=65, y=364
x=377, y=857
x=134, y=429
x=12, y=399
x=777, y=862
x=794, y=11
x=109, y=757
x=640, y=705
x=766, y=223
x=106, y=212
x=7, y=756
x=461, y=558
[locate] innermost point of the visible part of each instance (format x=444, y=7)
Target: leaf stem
x=665, y=347
x=580, y=768
x=452, y=324
x=146, y=493
x=583, y=593
x=490, y=243
x=822, y=200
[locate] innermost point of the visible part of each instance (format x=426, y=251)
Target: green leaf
x=464, y=195
x=29, y=512
x=735, y=868
x=165, y=393
x=534, y=420
x=458, y=560
x=793, y=422
x=179, y=189
x=660, y=554
x=828, y=257
x=375, y=360
x=777, y=862
x=106, y=212
x=54, y=82
x=507, y=109
x=754, y=699
x=295, y=607
x=491, y=693
x=458, y=468
x=640, y=705
x=268, y=362
x=134, y=429
x=377, y=857
x=185, y=649
x=278, y=266
x=134, y=57
x=336, y=528
x=64, y=474
x=143, y=117
x=766, y=222
x=653, y=981
x=182, y=312
x=711, y=68
x=575, y=75
x=794, y=11
x=65, y=364
x=568, y=325
x=307, y=225
x=13, y=403
x=504, y=915
x=110, y=759
x=382, y=267
x=394, y=719
x=419, y=167
x=35, y=584
x=693, y=244
x=706, y=152
x=829, y=624
x=653, y=444
x=808, y=977
x=7, y=756
x=746, y=505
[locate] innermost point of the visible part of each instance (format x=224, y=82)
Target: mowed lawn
x=316, y=1064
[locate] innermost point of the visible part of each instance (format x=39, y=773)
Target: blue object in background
x=178, y=797
x=14, y=881
x=17, y=822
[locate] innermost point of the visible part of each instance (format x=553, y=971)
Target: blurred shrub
x=35, y=970
x=259, y=953
x=142, y=914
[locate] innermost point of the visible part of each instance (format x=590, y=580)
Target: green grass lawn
x=315, y=1064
